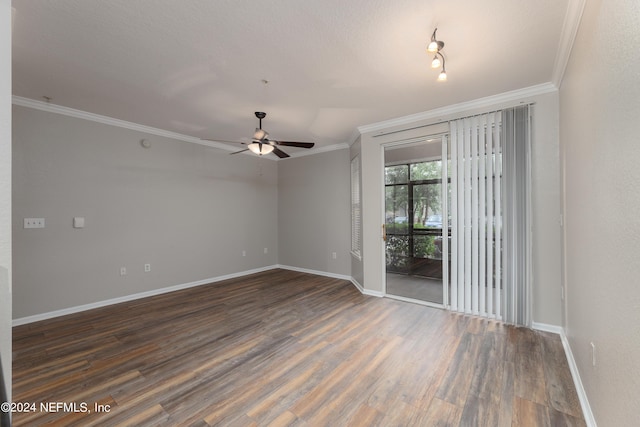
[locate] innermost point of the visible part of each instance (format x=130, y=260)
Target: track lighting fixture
x=435, y=47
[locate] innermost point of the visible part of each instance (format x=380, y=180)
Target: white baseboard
x=98, y=304
x=575, y=374
x=364, y=291
x=334, y=276
x=371, y=293
x=544, y=327
x=357, y=285
x=316, y=272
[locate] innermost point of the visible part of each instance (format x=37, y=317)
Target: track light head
x=435, y=45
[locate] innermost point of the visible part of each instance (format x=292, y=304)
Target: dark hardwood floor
x=286, y=348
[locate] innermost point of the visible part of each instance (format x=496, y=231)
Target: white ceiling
x=196, y=67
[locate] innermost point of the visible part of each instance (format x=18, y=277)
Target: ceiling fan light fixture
x=260, y=149
x=261, y=144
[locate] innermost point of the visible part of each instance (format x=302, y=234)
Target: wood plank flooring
x=282, y=348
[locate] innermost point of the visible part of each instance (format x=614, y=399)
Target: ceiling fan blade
x=241, y=151
x=295, y=144
x=222, y=140
x=278, y=152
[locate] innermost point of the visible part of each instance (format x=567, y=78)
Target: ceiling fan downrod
x=260, y=115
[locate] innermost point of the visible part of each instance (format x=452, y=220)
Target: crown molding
x=354, y=137
x=79, y=114
x=570, y=26
x=319, y=150
x=490, y=101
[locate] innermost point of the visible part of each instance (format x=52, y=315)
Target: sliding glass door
x=463, y=197
x=414, y=222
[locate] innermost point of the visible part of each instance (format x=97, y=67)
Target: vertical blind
x=476, y=248
x=517, y=226
x=480, y=253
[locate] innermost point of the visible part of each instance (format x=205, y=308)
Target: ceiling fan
x=261, y=144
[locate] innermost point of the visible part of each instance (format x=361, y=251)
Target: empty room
x=297, y=213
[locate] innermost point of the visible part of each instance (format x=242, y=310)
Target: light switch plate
x=78, y=222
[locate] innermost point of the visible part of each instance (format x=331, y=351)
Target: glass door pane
x=427, y=231
x=397, y=228
x=413, y=222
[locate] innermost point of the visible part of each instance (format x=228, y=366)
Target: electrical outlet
x=123, y=271
x=334, y=255
x=147, y=268
x=266, y=250
x=34, y=223
x=244, y=253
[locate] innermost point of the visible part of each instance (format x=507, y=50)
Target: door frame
x=443, y=136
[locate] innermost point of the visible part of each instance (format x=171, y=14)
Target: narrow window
x=356, y=214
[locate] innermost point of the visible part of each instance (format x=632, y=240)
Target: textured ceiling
x=196, y=67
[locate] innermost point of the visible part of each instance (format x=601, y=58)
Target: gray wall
x=314, y=204
x=600, y=108
x=186, y=209
x=545, y=212
x=5, y=190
